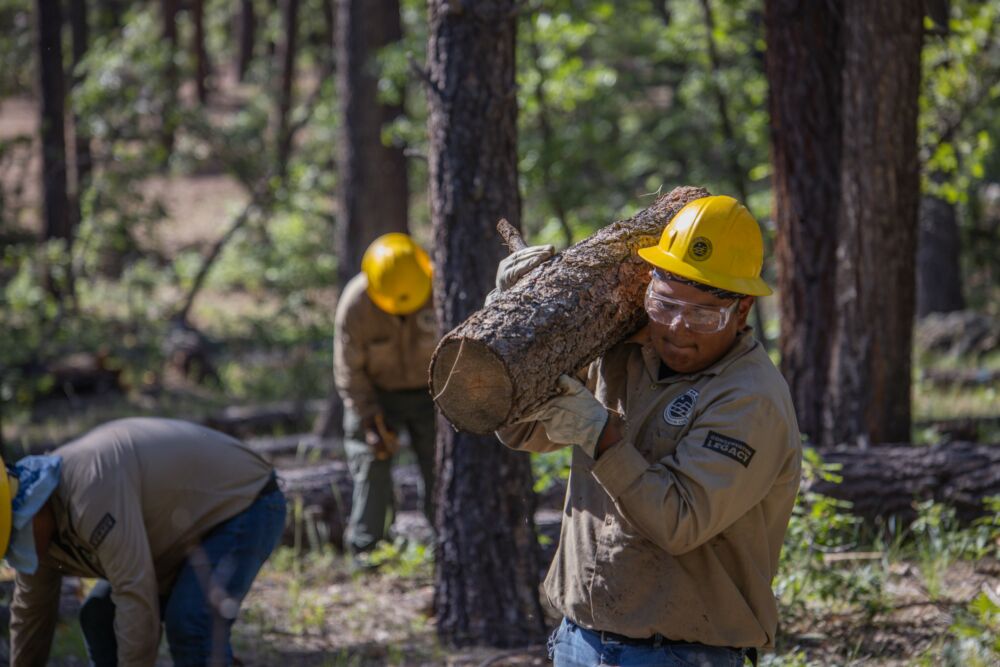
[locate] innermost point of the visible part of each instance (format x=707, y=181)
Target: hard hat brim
x=749, y=286
x=6, y=510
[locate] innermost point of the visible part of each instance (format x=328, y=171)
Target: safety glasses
x=697, y=318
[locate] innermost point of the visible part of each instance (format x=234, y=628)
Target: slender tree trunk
x=52, y=93
x=939, y=276
x=373, y=194
x=203, y=67
x=869, y=398
x=246, y=28
x=286, y=58
x=78, y=20
x=168, y=14
x=804, y=63
x=486, y=580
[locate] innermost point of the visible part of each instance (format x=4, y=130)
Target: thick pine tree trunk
x=804, y=61
x=52, y=93
x=506, y=358
x=486, y=579
x=869, y=393
x=373, y=194
x=886, y=481
x=939, y=276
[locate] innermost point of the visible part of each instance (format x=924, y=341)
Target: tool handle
x=510, y=236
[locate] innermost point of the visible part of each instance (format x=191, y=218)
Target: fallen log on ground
x=888, y=480
x=505, y=359
x=244, y=421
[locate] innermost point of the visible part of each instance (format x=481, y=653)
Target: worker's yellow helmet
x=714, y=241
x=7, y=492
x=398, y=272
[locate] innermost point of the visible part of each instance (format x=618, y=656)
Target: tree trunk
x=201, y=64
x=78, y=20
x=486, y=578
x=286, y=58
x=869, y=392
x=246, y=27
x=804, y=60
x=168, y=122
x=939, y=276
x=886, y=481
x=373, y=193
x=505, y=359
x=52, y=93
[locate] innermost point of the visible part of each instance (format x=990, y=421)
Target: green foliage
x=403, y=558
x=549, y=468
x=975, y=634
x=17, y=47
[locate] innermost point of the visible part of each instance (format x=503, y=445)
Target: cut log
x=888, y=480
x=506, y=358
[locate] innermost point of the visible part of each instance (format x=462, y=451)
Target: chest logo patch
x=678, y=411
x=737, y=450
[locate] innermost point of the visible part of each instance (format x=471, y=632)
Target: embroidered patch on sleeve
x=104, y=527
x=737, y=450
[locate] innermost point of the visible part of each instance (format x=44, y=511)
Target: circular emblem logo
x=678, y=411
x=701, y=249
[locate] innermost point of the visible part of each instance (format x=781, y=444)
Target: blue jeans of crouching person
x=228, y=558
x=573, y=646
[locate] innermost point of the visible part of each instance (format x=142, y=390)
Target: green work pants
x=372, y=510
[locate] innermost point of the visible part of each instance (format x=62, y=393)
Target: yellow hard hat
x=714, y=241
x=398, y=272
x=7, y=493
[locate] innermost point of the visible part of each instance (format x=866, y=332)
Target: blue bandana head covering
x=37, y=477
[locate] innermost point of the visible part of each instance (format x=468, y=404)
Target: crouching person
x=175, y=519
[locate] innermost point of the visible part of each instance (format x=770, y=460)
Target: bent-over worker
x=174, y=519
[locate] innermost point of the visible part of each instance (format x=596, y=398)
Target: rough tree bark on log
x=888, y=480
x=506, y=358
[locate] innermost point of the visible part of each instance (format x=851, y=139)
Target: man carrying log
x=686, y=464
x=386, y=333
x=173, y=518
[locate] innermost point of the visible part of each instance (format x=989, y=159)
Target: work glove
x=516, y=265
x=383, y=440
x=575, y=417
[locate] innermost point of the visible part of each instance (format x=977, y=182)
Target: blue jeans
x=221, y=569
x=573, y=646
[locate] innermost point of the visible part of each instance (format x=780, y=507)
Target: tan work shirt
x=134, y=497
x=376, y=350
x=677, y=529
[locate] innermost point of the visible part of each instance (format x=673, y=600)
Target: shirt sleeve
x=34, y=611
x=117, y=533
x=725, y=465
x=350, y=357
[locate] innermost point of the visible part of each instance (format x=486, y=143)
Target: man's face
x=680, y=348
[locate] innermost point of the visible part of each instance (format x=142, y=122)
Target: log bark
x=505, y=359
x=888, y=480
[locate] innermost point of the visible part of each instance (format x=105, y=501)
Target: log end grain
x=471, y=385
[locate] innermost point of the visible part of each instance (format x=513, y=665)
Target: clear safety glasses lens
x=699, y=319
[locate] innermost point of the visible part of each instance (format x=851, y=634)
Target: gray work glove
x=516, y=265
x=575, y=417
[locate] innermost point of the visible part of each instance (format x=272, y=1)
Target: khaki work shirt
x=374, y=349
x=134, y=498
x=677, y=529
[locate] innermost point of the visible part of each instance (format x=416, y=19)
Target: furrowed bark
x=505, y=359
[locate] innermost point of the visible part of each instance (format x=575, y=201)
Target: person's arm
x=34, y=611
x=725, y=465
x=117, y=533
x=350, y=356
